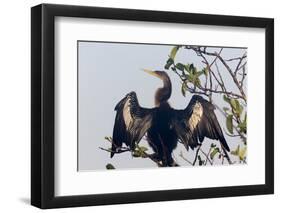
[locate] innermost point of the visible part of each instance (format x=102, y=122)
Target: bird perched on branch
x=165, y=126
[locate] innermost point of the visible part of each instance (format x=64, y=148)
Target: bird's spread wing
x=131, y=122
x=197, y=121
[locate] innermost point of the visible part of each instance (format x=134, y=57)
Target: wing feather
x=196, y=122
x=131, y=122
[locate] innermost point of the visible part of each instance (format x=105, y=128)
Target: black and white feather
x=197, y=121
x=131, y=122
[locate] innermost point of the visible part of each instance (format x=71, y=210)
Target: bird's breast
x=162, y=119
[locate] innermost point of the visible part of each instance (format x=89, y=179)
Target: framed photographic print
x=140, y=106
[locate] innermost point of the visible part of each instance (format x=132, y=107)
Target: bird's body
x=161, y=136
x=165, y=126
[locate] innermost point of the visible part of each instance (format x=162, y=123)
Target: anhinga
x=164, y=125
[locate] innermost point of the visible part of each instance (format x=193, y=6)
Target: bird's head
x=159, y=74
x=164, y=93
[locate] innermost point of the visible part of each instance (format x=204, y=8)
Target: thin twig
x=199, y=51
x=125, y=149
x=121, y=150
x=239, y=63
x=207, y=156
x=185, y=159
x=196, y=155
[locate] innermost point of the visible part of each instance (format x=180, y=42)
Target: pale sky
x=106, y=73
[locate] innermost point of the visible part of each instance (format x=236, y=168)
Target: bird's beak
x=151, y=72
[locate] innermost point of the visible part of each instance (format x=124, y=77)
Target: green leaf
x=243, y=126
x=183, y=88
x=191, y=68
x=137, y=153
x=174, y=52
x=193, y=77
x=109, y=166
x=229, y=123
x=194, y=70
x=236, y=151
x=213, y=145
x=197, y=82
x=205, y=71
x=225, y=109
x=190, y=77
x=245, y=118
x=169, y=62
x=186, y=67
x=226, y=99
x=143, y=148
x=198, y=74
x=180, y=66
x=214, y=152
x=237, y=108
x=201, y=162
x=242, y=153
x=108, y=138
x=233, y=104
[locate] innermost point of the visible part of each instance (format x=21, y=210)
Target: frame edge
x=269, y=117
x=36, y=155
x=42, y=126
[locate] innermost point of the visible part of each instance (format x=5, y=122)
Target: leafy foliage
x=200, y=161
x=109, y=166
x=174, y=52
x=214, y=152
x=240, y=152
x=229, y=123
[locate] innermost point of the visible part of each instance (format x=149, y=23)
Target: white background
x=70, y=182
x=15, y=106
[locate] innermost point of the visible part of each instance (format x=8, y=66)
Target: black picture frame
x=43, y=110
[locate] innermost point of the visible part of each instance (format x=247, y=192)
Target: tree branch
x=126, y=149
x=199, y=51
x=196, y=155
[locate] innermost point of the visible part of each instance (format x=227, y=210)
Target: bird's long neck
x=163, y=94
